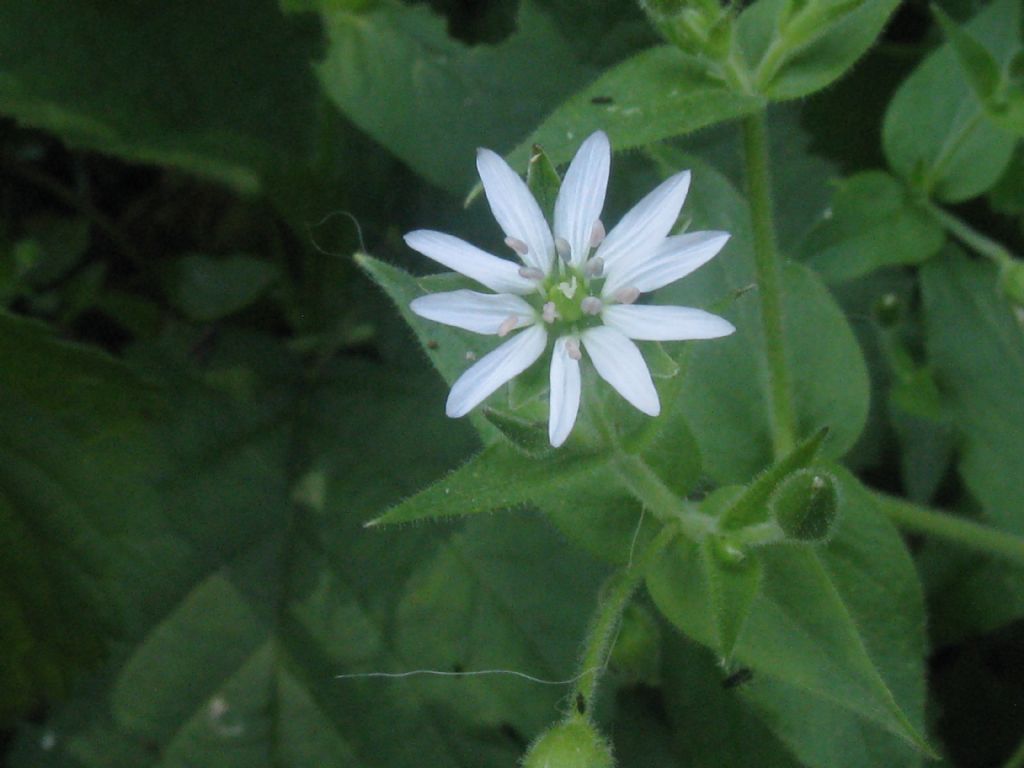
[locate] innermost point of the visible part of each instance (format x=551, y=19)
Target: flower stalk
x=768, y=270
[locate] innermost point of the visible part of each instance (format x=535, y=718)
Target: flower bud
x=573, y=743
x=1011, y=281
x=805, y=505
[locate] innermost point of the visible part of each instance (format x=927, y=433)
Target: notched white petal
x=581, y=197
x=515, y=209
x=494, y=369
x=673, y=259
x=565, y=390
x=661, y=323
x=497, y=274
x=486, y=313
x=619, y=362
x=643, y=228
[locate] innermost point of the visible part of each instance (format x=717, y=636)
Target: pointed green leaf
x=732, y=587
x=543, y=181
x=980, y=66
x=843, y=623
x=499, y=477
x=655, y=95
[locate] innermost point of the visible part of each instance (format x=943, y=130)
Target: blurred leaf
x=455, y=95
x=150, y=84
x=207, y=289
x=497, y=478
x=727, y=413
x=655, y=95
x=980, y=366
x=979, y=65
x=732, y=588
x=53, y=247
x=935, y=133
x=872, y=223
x=74, y=381
x=842, y=624
x=815, y=42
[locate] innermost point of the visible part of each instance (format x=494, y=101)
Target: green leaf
x=113, y=79
x=980, y=66
x=843, y=624
x=722, y=398
x=497, y=478
x=543, y=181
x=980, y=367
x=873, y=223
x=732, y=587
x=79, y=383
x=812, y=46
x=655, y=95
x=455, y=95
x=208, y=289
x=935, y=134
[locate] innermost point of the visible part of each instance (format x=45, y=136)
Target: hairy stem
x=967, y=533
x=966, y=234
x=664, y=504
x=768, y=268
x=615, y=596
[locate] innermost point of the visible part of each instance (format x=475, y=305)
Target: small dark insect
x=431, y=344
x=738, y=678
x=581, y=704
x=602, y=100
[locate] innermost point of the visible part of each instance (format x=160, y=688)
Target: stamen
x=572, y=349
x=627, y=295
x=597, y=234
x=563, y=248
x=548, y=312
x=517, y=245
x=591, y=305
x=531, y=273
x=507, y=325
x=594, y=267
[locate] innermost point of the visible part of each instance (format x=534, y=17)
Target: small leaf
x=531, y=437
x=732, y=586
x=543, y=181
x=872, y=223
x=496, y=478
x=978, y=63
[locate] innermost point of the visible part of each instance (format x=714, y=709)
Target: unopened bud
x=573, y=743
x=805, y=505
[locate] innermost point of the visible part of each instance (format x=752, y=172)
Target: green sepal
x=527, y=435
x=543, y=181
x=572, y=743
x=1011, y=281
x=499, y=477
x=977, y=61
x=733, y=583
x=806, y=505
x=636, y=657
x=752, y=506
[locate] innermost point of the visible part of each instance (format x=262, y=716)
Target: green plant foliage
x=873, y=223
x=652, y=96
x=208, y=289
x=815, y=42
x=980, y=367
x=815, y=627
x=936, y=135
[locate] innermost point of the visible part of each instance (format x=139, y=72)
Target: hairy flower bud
x=805, y=505
x=572, y=743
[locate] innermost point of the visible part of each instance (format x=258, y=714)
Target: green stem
x=615, y=596
x=767, y=265
x=967, y=533
x=970, y=237
x=1017, y=758
x=663, y=503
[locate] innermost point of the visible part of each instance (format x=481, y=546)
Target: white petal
x=494, y=369
x=472, y=311
x=581, y=197
x=515, y=209
x=658, y=323
x=565, y=393
x=619, y=362
x=499, y=275
x=675, y=258
x=643, y=228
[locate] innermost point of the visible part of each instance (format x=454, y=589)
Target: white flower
x=577, y=286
